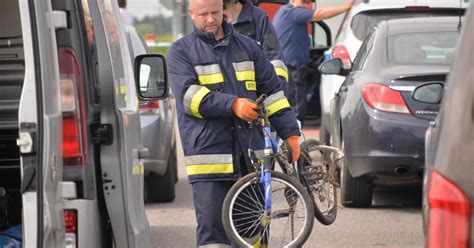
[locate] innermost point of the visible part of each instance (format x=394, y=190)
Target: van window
x=363, y=22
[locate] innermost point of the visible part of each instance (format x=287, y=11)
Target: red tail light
x=70, y=222
x=72, y=105
x=449, y=214
x=417, y=8
x=340, y=51
x=381, y=97
x=149, y=107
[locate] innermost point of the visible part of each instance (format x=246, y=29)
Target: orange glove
x=245, y=109
x=293, y=142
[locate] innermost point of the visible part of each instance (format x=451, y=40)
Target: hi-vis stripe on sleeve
x=209, y=74
x=192, y=99
x=209, y=164
x=280, y=68
x=244, y=71
x=275, y=102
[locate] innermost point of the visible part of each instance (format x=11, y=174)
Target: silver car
x=156, y=119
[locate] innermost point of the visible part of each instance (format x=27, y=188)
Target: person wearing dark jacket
x=216, y=74
x=253, y=22
x=290, y=23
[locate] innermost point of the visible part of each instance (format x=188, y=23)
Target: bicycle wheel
x=291, y=219
x=313, y=169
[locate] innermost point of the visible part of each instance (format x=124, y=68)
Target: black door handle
x=343, y=88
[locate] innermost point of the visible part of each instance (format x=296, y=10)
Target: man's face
x=207, y=15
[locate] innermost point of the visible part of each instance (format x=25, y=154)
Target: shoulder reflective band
x=209, y=164
x=275, y=102
x=244, y=71
x=280, y=68
x=192, y=99
x=209, y=74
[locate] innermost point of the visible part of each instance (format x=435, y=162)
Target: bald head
x=194, y=3
x=207, y=15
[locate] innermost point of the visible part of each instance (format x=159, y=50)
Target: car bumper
x=156, y=136
x=385, y=145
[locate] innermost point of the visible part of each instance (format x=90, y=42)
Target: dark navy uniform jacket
x=206, y=76
x=254, y=23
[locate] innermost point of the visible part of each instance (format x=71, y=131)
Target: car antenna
x=460, y=15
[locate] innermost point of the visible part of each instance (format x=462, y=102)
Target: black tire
x=355, y=191
x=325, y=211
x=173, y=161
x=161, y=188
x=246, y=190
x=324, y=135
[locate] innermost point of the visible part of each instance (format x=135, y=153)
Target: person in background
x=253, y=22
x=127, y=17
x=291, y=27
x=216, y=74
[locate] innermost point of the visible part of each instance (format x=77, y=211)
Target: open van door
x=320, y=38
x=39, y=119
x=121, y=150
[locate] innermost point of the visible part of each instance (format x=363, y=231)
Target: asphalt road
x=394, y=221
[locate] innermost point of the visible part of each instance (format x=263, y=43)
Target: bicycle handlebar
x=260, y=99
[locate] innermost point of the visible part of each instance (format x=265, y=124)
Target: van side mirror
x=429, y=93
x=151, y=77
x=333, y=67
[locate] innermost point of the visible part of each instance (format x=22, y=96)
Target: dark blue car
x=375, y=119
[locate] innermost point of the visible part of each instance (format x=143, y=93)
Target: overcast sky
x=142, y=8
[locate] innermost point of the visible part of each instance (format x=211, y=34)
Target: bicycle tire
x=282, y=185
x=328, y=215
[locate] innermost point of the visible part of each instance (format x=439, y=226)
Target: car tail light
x=417, y=7
x=449, y=214
x=340, y=51
x=72, y=106
x=381, y=97
x=149, y=107
x=70, y=223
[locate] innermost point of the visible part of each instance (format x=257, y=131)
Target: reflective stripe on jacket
x=254, y=23
x=206, y=76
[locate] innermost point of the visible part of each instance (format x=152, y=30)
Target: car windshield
x=363, y=22
x=433, y=48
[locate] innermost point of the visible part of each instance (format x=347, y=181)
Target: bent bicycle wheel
x=288, y=225
x=313, y=171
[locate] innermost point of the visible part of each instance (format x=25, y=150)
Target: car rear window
x=430, y=48
x=363, y=22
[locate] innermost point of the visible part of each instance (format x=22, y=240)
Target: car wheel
x=355, y=191
x=162, y=188
x=173, y=161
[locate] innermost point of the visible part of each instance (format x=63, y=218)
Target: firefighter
x=253, y=22
x=216, y=75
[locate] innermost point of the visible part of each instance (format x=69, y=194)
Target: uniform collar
x=210, y=38
x=245, y=14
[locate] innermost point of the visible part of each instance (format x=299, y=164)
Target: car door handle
x=140, y=153
x=343, y=88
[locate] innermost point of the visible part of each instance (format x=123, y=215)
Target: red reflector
x=449, y=214
x=72, y=150
x=417, y=7
x=381, y=97
x=70, y=220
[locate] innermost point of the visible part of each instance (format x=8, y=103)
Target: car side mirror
x=429, y=92
x=333, y=67
x=151, y=77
